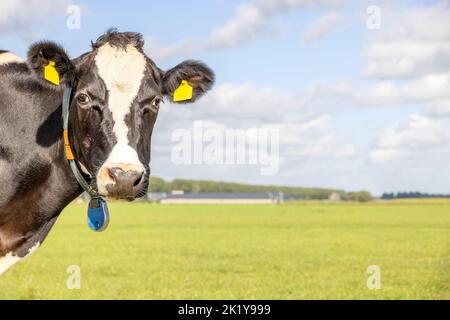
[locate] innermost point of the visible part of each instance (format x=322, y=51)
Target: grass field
x=292, y=251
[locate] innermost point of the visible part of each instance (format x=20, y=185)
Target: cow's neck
x=46, y=187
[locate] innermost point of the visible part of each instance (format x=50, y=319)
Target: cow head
x=117, y=94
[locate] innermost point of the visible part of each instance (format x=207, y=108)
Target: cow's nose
x=125, y=179
x=122, y=180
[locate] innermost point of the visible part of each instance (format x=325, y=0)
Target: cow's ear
x=51, y=64
x=187, y=82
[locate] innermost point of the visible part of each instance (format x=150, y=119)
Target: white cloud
x=305, y=130
x=439, y=108
x=413, y=43
x=410, y=54
x=24, y=15
x=405, y=58
x=408, y=64
x=411, y=57
x=379, y=156
x=158, y=51
x=424, y=89
x=240, y=104
x=244, y=103
x=313, y=139
x=322, y=26
x=324, y=146
x=277, y=6
x=419, y=132
x=252, y=19
x=234, y=105
x=246, y=26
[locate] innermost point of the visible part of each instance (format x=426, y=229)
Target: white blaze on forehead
x=7, y=57
x=122, y=71
x=9, y=260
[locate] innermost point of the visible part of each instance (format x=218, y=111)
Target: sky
x=356, y=93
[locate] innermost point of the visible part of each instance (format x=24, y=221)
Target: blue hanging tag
x=98, y=214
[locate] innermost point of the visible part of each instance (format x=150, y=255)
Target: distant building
x=221, y=198
x=335, y=197
x=156, y=196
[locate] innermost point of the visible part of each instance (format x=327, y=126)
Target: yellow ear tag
x=183, y=92
x=50, y=73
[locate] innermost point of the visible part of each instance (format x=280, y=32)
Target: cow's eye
x=83, y=99
x=156, y=102
x=153, y=106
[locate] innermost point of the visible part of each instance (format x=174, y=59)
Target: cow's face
x=117, y=94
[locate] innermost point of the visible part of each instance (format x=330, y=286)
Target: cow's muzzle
x=122, y=181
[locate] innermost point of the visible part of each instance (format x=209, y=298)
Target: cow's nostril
x=125, y=179
x=139, y=176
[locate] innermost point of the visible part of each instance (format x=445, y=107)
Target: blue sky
x=357, y=107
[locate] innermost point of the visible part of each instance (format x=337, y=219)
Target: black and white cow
x=117, y=92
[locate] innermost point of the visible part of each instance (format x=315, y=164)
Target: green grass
x=298, y=251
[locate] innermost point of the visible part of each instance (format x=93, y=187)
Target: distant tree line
x=360, y=196
x=412, y=195
x=290, y=193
